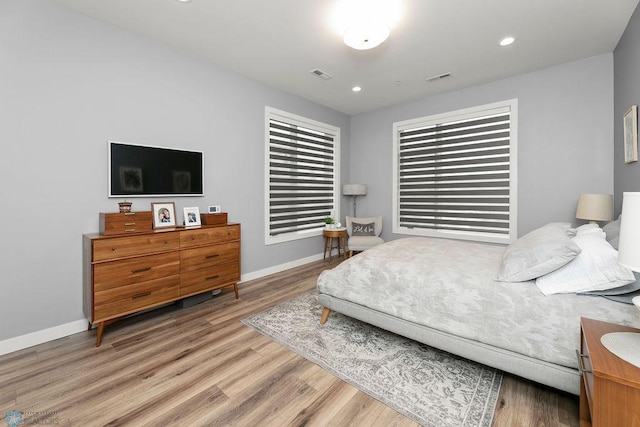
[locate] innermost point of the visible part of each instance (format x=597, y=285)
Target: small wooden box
x=213, y=218
x=125, y=223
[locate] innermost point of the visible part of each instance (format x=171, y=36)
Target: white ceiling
x=278, y=42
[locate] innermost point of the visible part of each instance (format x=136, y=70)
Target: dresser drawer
x=209, y=235
x=207, y=279
x=209, y=256
x=113, y=274
x=125, y=223
x=127, y=299
x=120, y=247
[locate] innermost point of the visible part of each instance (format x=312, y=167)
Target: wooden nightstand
x=609, y=386
x=338, y=233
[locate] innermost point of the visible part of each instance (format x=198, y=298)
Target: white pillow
x=539, y=252
x=595, y=268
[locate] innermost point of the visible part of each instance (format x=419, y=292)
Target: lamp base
x=625, y=345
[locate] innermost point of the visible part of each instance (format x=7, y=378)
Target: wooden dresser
x=124, y=274
x=609, y=386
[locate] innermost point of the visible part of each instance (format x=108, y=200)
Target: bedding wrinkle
x=450, y=285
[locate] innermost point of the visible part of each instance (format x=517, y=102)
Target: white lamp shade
x=354, y=189
x=595, y=207
x=629, y=244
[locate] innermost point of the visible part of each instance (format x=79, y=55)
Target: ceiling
x=279, y=42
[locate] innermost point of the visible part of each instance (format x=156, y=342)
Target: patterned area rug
x=430, y=386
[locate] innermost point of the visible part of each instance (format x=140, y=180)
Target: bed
x=470, y=298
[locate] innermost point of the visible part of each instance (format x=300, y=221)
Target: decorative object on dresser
x=191, y=217
x=126, y=274
x=124, y=207
x=595, y=207
x=164, y=214
x=125, y=223
x=215, y=209
x=609, y=386
x=213, y=218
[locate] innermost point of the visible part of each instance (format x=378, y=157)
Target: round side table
x=340, y=234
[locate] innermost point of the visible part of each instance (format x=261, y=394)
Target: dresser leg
x=235, y=289
x=99, y=334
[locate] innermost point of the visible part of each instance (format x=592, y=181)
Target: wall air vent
x=438, y=77
x=323, y=75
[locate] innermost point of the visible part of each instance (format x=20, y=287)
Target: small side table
x=335, y=233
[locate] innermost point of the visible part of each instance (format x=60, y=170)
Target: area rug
x=432, y=387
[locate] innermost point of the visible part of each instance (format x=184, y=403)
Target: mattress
x=449, y=286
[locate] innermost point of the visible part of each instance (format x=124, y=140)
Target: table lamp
x=626, y=345
x=595, y=207
x=354, y=190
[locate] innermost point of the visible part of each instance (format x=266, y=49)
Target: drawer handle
x=213, y=277
x=129, y=223
x=130, y=230
x=212, y=256
x=581, y=368
x=113, y=249
x=130, y=213
x=144, y=294
x=141, y=270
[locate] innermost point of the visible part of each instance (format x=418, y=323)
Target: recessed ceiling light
x=356, y=88
x=507, y=41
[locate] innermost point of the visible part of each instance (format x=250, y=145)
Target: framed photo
x=191, y=217
x=131, y=179
x=164, y=214
x=631, y=135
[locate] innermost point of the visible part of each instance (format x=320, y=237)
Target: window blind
x=454, y=175
x=301, y=176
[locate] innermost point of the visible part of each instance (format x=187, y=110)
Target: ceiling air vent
x=323, y=75
x=438, y=77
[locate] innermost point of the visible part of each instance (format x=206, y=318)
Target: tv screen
x=144, y=171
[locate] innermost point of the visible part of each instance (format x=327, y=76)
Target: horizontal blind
x=455, y=175
x=301, y=177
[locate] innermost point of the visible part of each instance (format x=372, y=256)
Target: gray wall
x=564, y=139
x=68, y=84
x=627, y=93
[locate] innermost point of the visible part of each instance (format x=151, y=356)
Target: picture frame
x=215, y=209
x=164, y=214
x=630, y=120
x=191, y=217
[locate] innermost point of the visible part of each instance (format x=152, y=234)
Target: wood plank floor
x=202, y=366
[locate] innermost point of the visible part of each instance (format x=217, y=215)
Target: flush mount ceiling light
x=365, y=36
x=356, y=88
x=507, y=41
x=365, y=24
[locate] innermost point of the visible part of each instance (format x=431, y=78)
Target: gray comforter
x=450, y=286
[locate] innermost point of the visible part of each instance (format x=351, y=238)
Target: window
x=455, y=174
x=301, y=175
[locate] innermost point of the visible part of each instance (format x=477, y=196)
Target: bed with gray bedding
x=445, y=293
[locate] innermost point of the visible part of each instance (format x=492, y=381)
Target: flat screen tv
x=146, y=171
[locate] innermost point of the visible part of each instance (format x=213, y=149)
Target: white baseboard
x=29, y=340
x=39, y=337
x=278, y=268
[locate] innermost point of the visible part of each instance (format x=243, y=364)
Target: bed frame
x=556, y=376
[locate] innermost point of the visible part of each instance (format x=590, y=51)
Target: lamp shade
x=629, y=244
x=354, y=189
x=595, y=207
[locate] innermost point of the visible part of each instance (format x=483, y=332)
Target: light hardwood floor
x=202, y=366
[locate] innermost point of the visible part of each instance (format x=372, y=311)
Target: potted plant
x=328, y=221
